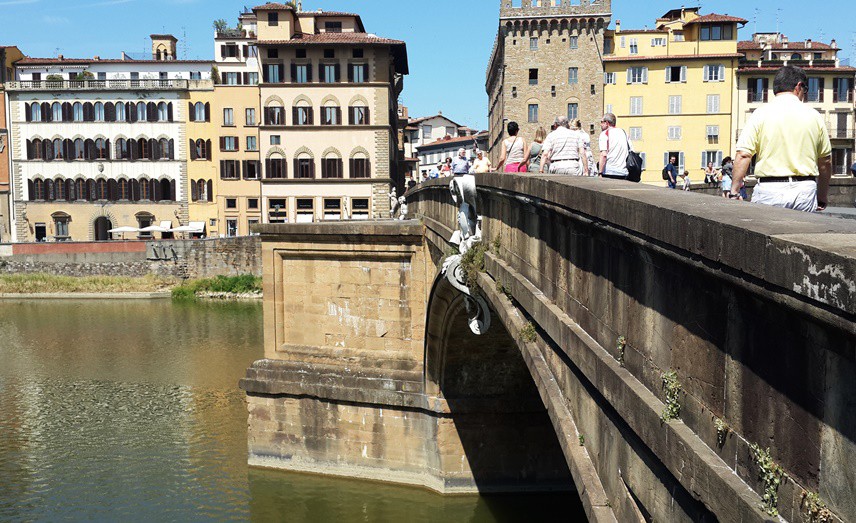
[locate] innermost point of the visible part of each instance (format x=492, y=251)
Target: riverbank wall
x=186, y=259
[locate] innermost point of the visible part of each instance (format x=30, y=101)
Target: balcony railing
x=839, y=133
x=97, y=85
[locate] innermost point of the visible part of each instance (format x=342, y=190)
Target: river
x=130, y=411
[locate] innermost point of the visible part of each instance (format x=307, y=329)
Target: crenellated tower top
x=509, y=9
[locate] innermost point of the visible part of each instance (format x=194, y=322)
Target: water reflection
x=130, y=411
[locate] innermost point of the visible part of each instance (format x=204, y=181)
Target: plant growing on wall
x=220, y=25
x=215, y=74
x=621, y=346
x=770, y=474
x=672, y=389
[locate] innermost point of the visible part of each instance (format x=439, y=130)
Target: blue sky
x=448, y=41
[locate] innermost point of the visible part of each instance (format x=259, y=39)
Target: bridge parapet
x=752, y=308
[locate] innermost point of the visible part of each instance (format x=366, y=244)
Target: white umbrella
x=123, y=230
x=154, y=228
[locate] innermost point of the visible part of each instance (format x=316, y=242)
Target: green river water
x=130, y=411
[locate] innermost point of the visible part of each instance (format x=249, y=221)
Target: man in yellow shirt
x=482, y=163
x=790, y=140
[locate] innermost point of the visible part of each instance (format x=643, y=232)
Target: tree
x=215, y=75
x=85, y=75
x=220, y=26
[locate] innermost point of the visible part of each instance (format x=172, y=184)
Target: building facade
x=100, y=144
x=8, y=56
x=830, y=87
x=431, y=154
x=546, y=62
x=671, y=89
x=328, y=139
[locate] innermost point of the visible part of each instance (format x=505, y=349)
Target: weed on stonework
x=528, y=333
x=771, y=475
x=236, y=285
x=672, y=389
x=472, y=263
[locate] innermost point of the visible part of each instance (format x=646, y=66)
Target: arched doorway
x=102, y=226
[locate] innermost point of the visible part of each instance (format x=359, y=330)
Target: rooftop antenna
x=757, y=11
x=183, y=43
x=778, y=19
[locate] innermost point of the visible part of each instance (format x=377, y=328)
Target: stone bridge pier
x=670, y=357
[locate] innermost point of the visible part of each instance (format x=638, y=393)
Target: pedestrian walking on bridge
x=790, y=140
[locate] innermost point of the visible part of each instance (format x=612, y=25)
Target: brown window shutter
x=222, y=51
x=169, y=111
x=351, y=73
x=46, y=112
x=244, y=166
x=296, y=163
x=338, y=72
x=350, y=116
x=309, y=73
x=152, y=112
x=222, y=146
x=194, y=191
x=294, y=115
x=341, y=168
x=237, y=166
x=246, y=77
x=351, y=165
x=293, y=72
x=208, y=150
x=28, y=108
x=66, y=112
x=192, y=149
x=766, y=88
x=339, y=115
x=191, y=112
x=311, y=116
x=210, y=186
x=321, y=73
x=821, y=89
x=368, y=119
x=222, y=169
x=207, y=112
x=365, y=72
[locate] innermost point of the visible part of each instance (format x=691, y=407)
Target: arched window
x=200, y=149
x=141, y=112
x=60, y=192
x=124, y=190
x=164, y=149
x=70, y=190
x=78, y=149
x=80, y=189
x=49, y=190
x=166, y=191
x=36, y=112
x=143, y=148
x=202, y=191
x=39, y=189
x=163, y=115
x=77, y=112
x=145, y=189
x=199, y=110
x=120, y=112
x=102, y=191
x=56, y=112
x=35, y=150
x=796, y=56
x=57, y=149
x=99, y=112
x=121, y=149
x=100, y=149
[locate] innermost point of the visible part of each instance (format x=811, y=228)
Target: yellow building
x=671, y=89
x=202, y=137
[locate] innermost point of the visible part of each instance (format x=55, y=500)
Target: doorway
x=102, y=226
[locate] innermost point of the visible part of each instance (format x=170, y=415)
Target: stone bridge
x=668, y=357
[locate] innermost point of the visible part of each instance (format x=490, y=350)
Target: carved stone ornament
x=463, y=188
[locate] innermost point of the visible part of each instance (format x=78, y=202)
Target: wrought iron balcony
x=837, y=133
x=98, y=85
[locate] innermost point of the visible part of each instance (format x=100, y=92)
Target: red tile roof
x=459, y=139
x=774, y=68
x=713, y=18
x=272, y=6
x=749, y=45
x=333, y=38
x=164, y=36
x=670, y=57
x=642, y=31
x=329, y=13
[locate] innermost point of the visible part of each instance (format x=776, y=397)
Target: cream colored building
x=830, y=87
x=99, y=144
x=329, y=103
x=8, y=56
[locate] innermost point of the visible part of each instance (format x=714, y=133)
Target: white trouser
x=571, y=167
x=800, y=196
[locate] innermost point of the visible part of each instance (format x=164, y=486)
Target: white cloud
x=55, y=20
x=18, y=2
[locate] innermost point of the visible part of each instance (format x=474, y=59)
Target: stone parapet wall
x=172, y=258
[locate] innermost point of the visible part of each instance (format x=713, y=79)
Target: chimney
x=832, y=44
x=618, y=26
x=96, y=57
x=808, y=43
x=61, y=57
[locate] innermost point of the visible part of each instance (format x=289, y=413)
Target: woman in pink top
x=515, y=151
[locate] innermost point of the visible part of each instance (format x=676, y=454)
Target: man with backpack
x=614, y=149
x=670, y=172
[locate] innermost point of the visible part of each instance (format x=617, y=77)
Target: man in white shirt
x=614, y=148
x=563, y=149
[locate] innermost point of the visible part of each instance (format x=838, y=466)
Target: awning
x=193, y=228
x=123, y=230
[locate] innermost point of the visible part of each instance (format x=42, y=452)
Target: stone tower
x=164, y=47
x=547, y=61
